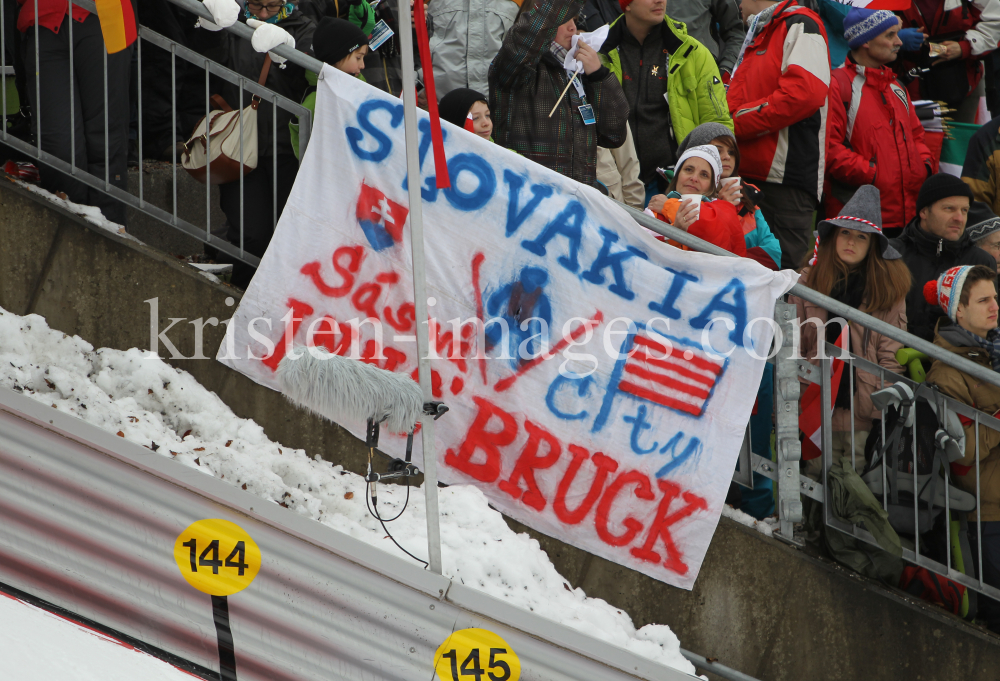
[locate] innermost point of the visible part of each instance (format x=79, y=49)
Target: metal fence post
x=786, y=421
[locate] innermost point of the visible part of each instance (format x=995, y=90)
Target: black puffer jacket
x=928, y=257
x=289, y=82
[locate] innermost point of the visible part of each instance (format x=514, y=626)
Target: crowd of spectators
x=782, y=130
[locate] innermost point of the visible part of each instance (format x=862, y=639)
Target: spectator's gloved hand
x=266, y=37
x=224, y=14
x=912, y=39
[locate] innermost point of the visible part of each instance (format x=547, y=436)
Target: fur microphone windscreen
x=343, y=389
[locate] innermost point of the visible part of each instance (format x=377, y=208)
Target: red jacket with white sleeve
x=875, y=138
x=778, y=98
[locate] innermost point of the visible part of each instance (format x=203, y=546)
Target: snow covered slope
x=141, y=398
x=36, y=645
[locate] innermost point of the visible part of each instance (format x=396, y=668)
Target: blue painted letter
x=486, y=182
x=667, y=308
x=737, y=308
x=568, y=224
x=515, y=217
x=606, y=258
x=354, y=136
x=582, y=390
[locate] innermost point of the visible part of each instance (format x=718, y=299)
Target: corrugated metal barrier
x=90, y=520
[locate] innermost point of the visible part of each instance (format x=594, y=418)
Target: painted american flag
x=676, y=378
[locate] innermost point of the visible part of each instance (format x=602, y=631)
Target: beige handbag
x=220, y=136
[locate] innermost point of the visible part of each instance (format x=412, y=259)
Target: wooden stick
x=565, y=89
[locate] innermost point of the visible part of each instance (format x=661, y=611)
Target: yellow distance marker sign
x=478, y=653
x=217, y=557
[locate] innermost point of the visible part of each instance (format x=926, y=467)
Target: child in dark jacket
x=342, y=45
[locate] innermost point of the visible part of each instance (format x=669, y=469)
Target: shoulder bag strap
x=265, y=69
x=255, y=100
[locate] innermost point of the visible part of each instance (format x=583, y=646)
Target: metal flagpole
x=419, y=283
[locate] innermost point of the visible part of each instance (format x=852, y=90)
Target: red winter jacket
x=51, y=12
x=778, y=99
x=718, y=223
x=978, y=22
x=875, y=138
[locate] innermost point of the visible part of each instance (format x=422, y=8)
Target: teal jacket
x=695, y=93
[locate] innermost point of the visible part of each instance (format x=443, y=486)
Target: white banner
x=606, y=402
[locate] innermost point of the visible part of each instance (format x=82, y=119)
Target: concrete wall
x=93, y=284
x=759, y=606
x=158, y=189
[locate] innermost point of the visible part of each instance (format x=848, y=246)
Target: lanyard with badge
x=586, y=109
x=595, y=39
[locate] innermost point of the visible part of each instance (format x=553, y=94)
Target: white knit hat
x=706, y=152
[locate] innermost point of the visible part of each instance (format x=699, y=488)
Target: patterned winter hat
x=864, y=214
x=861, y=25
x=946, y=290
x=982, y=222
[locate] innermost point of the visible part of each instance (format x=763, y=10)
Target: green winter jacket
x=695, y=93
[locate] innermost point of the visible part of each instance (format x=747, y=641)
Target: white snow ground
x=36, y=645
x=143, y=399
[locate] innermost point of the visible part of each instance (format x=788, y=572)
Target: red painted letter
x=354, y=255
x=632, y=526
x=660, y=527
x=488, y=441
x=604, y=464
x=299, y=312
x=528, y=462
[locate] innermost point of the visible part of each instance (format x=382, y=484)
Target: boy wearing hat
x=969, y=297
x=468, y=109
x=934, y=241
x=342, y=45
x=875, y=135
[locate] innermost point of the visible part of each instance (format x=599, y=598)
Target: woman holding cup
x=760, y=242
x=695, y=204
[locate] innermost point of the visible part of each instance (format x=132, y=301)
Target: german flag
x=117, y=23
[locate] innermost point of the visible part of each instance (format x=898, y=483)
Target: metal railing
x=910, y=482
x=146, y=37
x=790, y=371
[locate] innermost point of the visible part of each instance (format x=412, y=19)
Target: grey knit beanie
x=704, y=134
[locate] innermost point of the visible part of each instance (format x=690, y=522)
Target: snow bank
x=29, y=635
x=763, y=526
x=91, y=214
x=143, y=399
